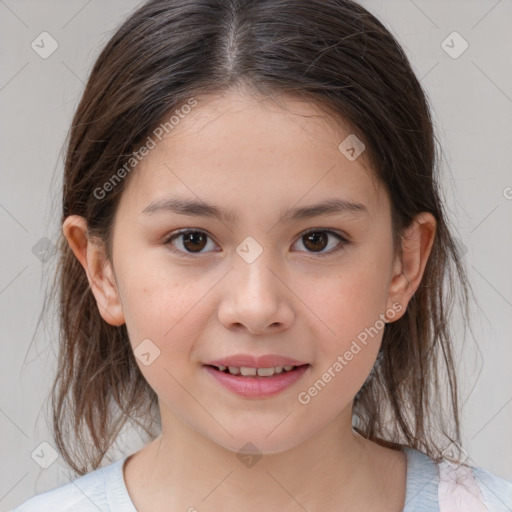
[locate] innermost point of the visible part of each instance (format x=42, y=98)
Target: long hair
x=332, y=52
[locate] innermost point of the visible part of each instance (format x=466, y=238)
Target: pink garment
x=458, y=489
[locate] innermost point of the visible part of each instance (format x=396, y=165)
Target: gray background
x=472, y=101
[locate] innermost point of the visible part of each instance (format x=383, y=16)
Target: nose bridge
x=252, y=268
x=254, y=295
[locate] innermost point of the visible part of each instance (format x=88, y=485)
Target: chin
x=257, y=443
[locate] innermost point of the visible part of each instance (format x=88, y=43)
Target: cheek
x=163, y=318
x=161, y=302
x=348, y=339
x=351, y=300
x=348, y=309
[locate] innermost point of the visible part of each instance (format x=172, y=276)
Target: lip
x=258, y=387
x=250, y=361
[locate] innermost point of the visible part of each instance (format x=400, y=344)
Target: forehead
x=244, y=152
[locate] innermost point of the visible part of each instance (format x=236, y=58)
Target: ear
x=409, y=266
x=91, y=254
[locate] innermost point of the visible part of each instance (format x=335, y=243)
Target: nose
x=255, y=297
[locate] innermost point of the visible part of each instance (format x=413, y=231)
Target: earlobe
x=410, y=265
x=90, y=253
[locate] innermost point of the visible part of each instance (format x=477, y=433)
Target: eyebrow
x=195, y=208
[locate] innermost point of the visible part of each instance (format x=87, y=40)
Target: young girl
x=254, y=245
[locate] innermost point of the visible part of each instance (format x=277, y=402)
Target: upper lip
x=249, y=361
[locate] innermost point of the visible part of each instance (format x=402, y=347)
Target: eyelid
x=325, y=230
x=175, y=234
x=342, y=238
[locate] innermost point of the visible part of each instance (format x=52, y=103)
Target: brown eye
x=317, y=240
x=192, y=241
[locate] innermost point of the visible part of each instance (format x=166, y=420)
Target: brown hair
x=333, y=53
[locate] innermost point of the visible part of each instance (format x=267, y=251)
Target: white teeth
x=252, y=372
x=265, y=372
x=244, y=370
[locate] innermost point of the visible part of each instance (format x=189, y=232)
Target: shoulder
x=477, y=488
x=93, y=492
x=497, y=491
x=443, y=486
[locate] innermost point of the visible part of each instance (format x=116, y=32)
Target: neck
x=186, y=470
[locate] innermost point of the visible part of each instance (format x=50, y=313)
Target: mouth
x=247, y=371
x=252, y=382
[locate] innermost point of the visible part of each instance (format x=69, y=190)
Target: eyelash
x=175, y=234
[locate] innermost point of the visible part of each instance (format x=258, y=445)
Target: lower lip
x=258, y=387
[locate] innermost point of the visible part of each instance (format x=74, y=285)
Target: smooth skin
x=256, y=158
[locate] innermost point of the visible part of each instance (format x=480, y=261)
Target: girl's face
x=250, y=281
